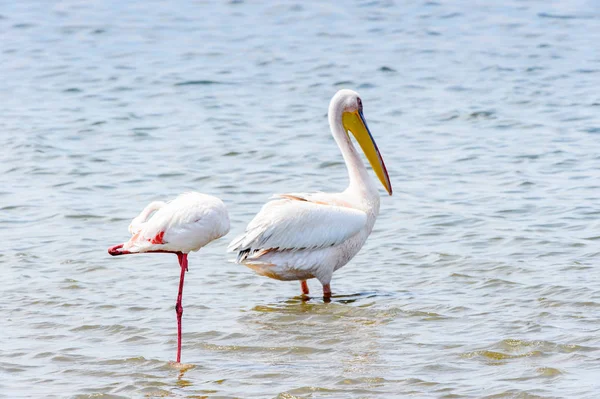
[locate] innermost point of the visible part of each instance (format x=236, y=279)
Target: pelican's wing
x=317, y=198
x=292, y=224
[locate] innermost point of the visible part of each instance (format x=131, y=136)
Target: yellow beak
x=355, y=123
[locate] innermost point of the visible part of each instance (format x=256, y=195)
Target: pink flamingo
x=181, y=226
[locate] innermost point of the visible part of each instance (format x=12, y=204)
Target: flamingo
x=181, y=226
x=299, y=236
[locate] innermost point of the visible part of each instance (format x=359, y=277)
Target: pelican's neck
x=361, y=184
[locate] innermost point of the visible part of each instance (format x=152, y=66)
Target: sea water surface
x=480, y=279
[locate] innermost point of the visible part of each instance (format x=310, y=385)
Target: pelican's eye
x=359, y=101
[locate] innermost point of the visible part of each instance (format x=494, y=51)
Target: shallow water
x=480, y=279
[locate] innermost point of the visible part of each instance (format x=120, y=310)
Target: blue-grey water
x=480, y=279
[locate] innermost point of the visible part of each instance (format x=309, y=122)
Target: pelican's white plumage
x=300, y=236
x=297, y=224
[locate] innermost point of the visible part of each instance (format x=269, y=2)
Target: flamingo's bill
x=116, y=250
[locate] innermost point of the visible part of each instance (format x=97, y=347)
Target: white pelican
x=300, y=236
x=181, y=226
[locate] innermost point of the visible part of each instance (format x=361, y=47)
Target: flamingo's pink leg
x=183, y=263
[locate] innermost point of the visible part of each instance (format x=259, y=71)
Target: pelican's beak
x=355, y=123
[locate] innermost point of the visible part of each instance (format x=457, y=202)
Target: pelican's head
x=353, y=119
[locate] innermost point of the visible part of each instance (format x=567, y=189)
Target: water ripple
x=480, y=277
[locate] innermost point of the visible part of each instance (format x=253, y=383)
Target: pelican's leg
x=304, y=286
x=326, y=291
x=183, y=263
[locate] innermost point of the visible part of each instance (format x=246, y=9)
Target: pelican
x=299, y=236
x=181, y=226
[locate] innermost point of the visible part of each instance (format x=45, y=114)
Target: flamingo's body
x=301, y=236
x=181, y=226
